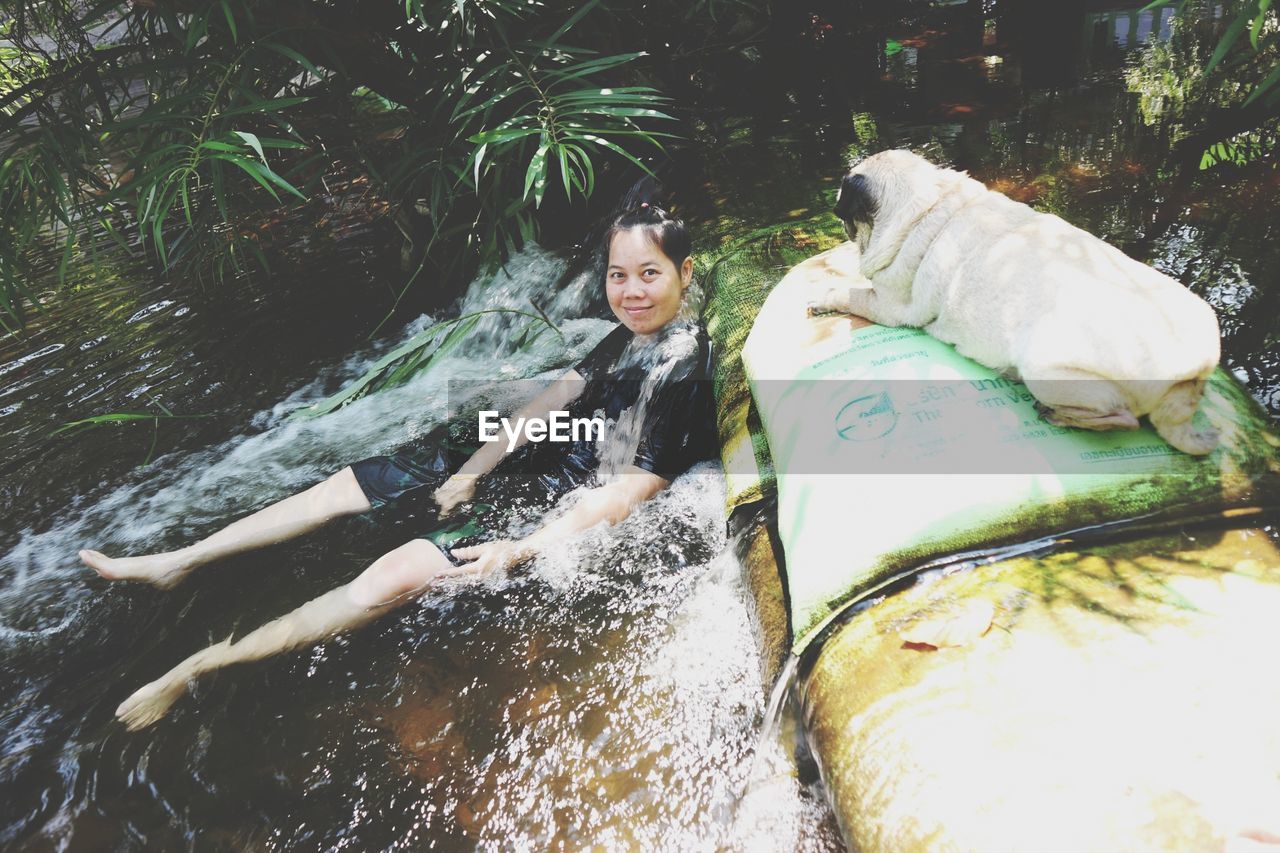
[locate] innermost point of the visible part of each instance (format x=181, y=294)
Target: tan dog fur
x=1099, y=338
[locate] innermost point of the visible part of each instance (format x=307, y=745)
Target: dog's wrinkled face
x=879, y=186
x=856, y=207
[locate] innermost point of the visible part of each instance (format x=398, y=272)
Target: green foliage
x=173, y=127
x=1240, y=150
x=419, y=352
x=17, y=69
x=1249, y=16
x=120, y=418
x=1174, y=81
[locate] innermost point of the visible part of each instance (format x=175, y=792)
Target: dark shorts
x=384, y=479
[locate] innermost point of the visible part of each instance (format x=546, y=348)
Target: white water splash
x=664, y=357
x=685, y=701
x=186, y=494
x=697, y=684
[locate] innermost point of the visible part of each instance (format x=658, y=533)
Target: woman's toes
x=162, y=570
x=99, y=562
x=148, y=704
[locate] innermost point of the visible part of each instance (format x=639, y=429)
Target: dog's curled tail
x=1173, y=414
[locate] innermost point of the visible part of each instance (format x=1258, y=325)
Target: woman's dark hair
x=660, y=228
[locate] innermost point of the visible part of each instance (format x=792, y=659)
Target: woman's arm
x=611, y=503
x=461, y=486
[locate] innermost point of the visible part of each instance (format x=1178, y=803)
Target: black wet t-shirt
x=669, y=375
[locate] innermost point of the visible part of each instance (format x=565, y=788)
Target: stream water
x=610, y=694
x=544, y=706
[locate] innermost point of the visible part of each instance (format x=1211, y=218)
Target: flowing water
x=610, y=693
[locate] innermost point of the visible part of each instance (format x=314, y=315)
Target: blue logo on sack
x=866, y=418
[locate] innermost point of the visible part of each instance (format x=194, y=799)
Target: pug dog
x=1098, y=338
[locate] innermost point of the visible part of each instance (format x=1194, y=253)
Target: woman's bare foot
x=150, y=702
x=162, y=570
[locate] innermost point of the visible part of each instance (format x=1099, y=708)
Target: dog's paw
x=1196, y=442
x=834, y=301
x=1083, y=417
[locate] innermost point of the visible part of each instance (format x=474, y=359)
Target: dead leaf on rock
x=958, y=627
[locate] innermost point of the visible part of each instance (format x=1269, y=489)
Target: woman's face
x=644, y=286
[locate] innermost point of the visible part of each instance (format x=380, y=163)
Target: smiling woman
x=647, y=377
x=646, y=289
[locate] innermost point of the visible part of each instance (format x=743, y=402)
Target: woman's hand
x=456, y=490
x=488, y=557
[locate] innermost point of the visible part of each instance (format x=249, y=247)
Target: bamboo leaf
x=636, y=112
x=546, y=319
x=536, y=175
x=257, y=253
x=218, y=145
x=460, y=113
x=1258, y=21
x=199, y=26
x=415, y=348
x=588, y=168
x=269, y=105
x=114, y=234
x=572, y=21
x=1228, y=39
x=493, y=137
x=618, y=91
x=479, y=156
x=186, y=204
x=289, y=53
x=586, y=97
x=593, y=66
x=574, y=131
x=252, y=141
x=157, y=228
x=274, y=142
x=617, y=149
x=68, y=245
x=252, y=169
x=562, y=158
x=1261, y=88
x=231, y=21
x=123, y=417
x=275, y=178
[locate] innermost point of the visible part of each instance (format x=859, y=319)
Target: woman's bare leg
x=393, y=579
x=338, y=495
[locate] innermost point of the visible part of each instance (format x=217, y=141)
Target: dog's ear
x=854, y=202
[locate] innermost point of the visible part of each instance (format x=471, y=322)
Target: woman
x=660, y=430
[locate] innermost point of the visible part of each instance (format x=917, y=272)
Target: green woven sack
x=890, y=450
x=737, y=284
